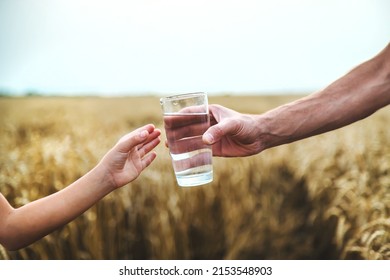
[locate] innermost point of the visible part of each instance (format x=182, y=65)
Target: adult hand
x=233, y=134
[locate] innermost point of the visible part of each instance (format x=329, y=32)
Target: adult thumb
x=216, y=132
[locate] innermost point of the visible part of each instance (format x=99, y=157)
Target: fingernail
x=143, y=134
x=208, y=138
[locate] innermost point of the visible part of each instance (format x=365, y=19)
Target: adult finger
x=186, y=131
x=186, y=116
x=216, y=132
x=186, y=145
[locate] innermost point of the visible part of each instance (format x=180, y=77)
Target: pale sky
x=174, y=46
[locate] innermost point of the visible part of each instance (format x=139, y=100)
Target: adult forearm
x=354, y=96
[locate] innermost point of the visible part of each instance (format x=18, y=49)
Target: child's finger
x=131, y=140
x=147, y=160
x=155, y=134
x=146, y=148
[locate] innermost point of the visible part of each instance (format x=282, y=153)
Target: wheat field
x=326, y=197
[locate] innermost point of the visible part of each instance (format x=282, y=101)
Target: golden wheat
x=326, y=197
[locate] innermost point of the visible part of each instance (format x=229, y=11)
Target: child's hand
x=121, y=165
x=130, y=156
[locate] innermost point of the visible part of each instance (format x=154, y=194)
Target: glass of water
x=186, y=118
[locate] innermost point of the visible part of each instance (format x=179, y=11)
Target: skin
x=354, y=96
x=121, y=165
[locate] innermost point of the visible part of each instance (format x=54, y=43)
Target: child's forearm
x=37, y=219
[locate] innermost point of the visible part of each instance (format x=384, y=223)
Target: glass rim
x=183, y=95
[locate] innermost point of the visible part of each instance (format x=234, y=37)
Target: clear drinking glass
x=186, y=118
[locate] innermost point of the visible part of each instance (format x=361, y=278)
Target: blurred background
x=125, y=47
x=326, y=197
